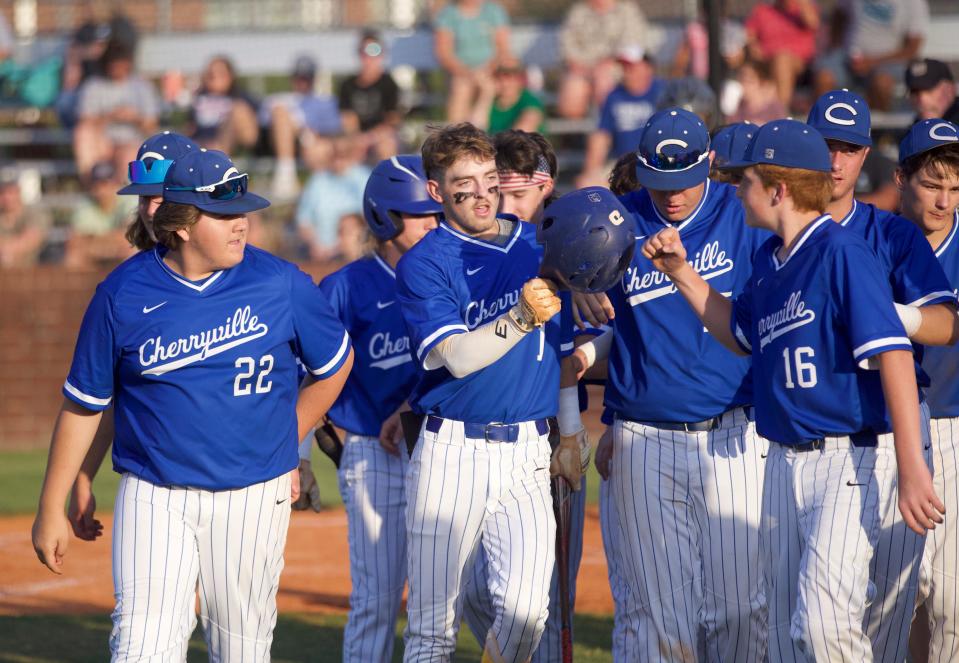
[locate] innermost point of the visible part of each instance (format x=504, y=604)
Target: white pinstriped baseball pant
x=462, y=493
x=688, y=507
x=372, y=483
x=167, y=541
x=625, y=617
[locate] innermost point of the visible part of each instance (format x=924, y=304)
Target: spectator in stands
x=333, y=190
x=692, y=53
x=370, y=100
x=222, y=115
x=98, y=224
x=760, y=102
x=6, y=39
x=879, y=40
x=352, y=238
x=297, y=115
x=23, y=229
x=623, y=115
x=592, y=34
x=932, y=90
x=509, y=104
x=470, y=35
x=116, y=111
x=782, y=33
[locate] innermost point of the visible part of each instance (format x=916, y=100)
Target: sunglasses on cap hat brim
x=148, y=172
x=229, y=189
x=672, y=164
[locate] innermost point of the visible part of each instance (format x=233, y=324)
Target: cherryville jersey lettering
x=663, y=364
x=363, y=295
x=157, y=345
x=821, y=312
x=450, y=283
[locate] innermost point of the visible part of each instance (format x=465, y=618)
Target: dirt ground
x=316, y=577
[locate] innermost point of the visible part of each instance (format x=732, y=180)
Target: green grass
x=298, y=638
x=21, y=473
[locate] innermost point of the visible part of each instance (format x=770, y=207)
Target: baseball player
x=927, y=308
x=399, y=212
x=481, y=325
x=686, y=470
x=729, y=144
x=146, y=175
x=197, y=340
x=815, y=310
x=527, y=169
x=928, y=182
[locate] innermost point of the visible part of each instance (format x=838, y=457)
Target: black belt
x=488, y=432
x=713, y=423
x=864, y=438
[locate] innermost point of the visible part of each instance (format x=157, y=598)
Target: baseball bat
x=561, y=508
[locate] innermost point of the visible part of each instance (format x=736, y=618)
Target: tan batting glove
x=537, y=304
x=309, y=490
x=567, y=461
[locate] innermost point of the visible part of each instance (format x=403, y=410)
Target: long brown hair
x=171, y=217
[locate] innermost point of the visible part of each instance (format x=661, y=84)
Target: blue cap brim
x=659, y=180
x=248, y=202
x=142, y=190
x=833, y=133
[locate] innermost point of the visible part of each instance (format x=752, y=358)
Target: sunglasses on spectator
x=372, y=49
x=148, y=172
x=672, y=164
x=228, y=189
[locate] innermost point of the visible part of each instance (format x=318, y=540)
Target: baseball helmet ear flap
x=588, y=239
x=396, y=186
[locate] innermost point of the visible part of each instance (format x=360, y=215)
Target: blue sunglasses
x=148, y=172
x=671, y=164
x=232, y=188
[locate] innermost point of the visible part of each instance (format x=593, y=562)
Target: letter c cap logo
x=935, y=134
x=846, y=122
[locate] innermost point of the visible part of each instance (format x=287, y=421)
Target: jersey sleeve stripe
x=742, y=340
x=938, y=297
x=435, y=338
x=85, y=398
x=337, y=360
x=566, y=347
x=881, y=345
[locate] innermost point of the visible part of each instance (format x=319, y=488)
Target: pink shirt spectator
x=780, y=27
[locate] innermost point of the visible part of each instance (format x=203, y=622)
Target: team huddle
x=781, y=398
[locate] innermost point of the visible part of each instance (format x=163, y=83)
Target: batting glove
x=309, y=490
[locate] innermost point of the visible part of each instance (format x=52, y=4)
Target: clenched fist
x=666, y=251
x=538, y=302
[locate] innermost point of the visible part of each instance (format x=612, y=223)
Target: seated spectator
x=510, y=104
x=333, y=190
x=116, y=110
x=932, y=90
x=760, y=102
x=692, y=54
x=469, y=36
x=879, y=40
x=290, y=115
x=23, y=229
x=222, y=115
x=593, y=32
x=98, y=224
x=782, y=33
x=370, y=100
x=622, y=117
x=353, y=239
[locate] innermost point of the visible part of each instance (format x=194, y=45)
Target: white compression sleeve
x=471, y=351
x=911, y=318
x=569, y=419
x=598, y=348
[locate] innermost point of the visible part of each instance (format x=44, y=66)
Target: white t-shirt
x=878, y=27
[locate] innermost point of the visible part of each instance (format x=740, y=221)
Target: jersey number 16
x=805, y=371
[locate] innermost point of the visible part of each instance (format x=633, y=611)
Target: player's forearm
x=939, y=326
x=466, y=353
x=317, y=396
x=714, y=310
x=98, y=450
x=72, y=436
x=902, y=401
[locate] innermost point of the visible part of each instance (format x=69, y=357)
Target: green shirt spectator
x=503, y=118
x=473, y=31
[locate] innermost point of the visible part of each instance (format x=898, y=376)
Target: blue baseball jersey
x=663, y=364
x=204, y=375
x=363, y=296
x=450, y=283
x=809, y=321
x=941, y=363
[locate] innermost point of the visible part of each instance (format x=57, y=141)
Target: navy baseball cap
x=786, y=143
x=673, y=151
x=730, y=142
x=208, y=180
x=153, y=160
x=927, y=135
x=842, y=115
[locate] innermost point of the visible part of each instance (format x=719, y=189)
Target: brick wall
x=40, y=313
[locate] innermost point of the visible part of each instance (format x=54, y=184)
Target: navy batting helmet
x=588, y=239
x=396, y=186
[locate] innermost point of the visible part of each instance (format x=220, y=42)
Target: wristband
x=911, y=318
x=519, y=316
